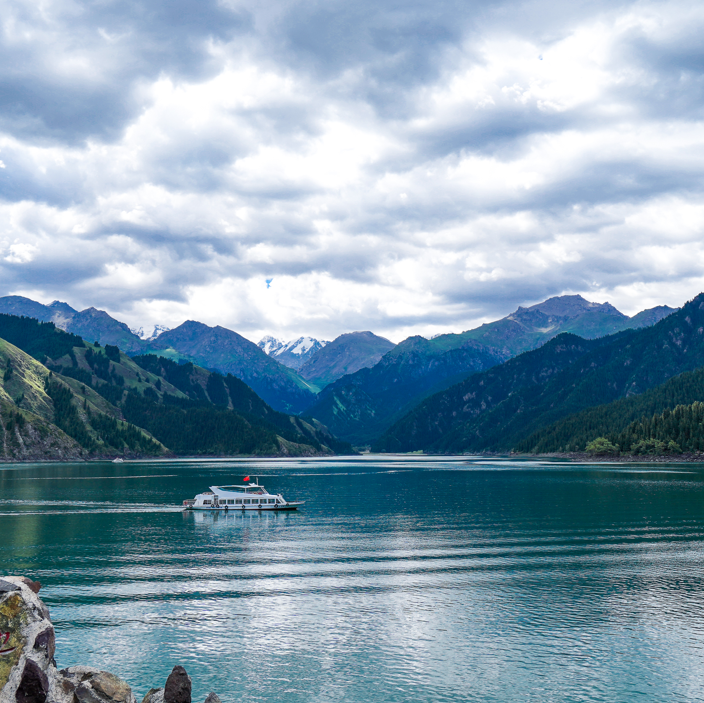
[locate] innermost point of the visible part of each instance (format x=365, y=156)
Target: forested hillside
x=575, y=432
x=468, y=417
x=361, y=406
x=98, y=402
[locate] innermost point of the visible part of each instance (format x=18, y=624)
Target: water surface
x=402, y=579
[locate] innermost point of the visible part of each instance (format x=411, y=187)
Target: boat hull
x=245, y=508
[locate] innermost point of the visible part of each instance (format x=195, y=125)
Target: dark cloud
x=78, y=75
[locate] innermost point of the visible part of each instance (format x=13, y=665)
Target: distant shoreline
x=685, y=457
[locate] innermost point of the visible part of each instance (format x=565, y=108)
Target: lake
x=402, y=579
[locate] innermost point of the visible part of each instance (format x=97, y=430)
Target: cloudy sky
x=290, y=167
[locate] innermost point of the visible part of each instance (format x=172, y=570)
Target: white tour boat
x=251, y=496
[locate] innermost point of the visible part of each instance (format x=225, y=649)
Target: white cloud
x=405, y=173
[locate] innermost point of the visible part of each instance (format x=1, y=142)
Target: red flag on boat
x=246, y=478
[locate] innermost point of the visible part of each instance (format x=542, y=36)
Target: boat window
x=238, y=501
x=230, y=501
x=272, y=500
x=206, y=502
x=246, y=501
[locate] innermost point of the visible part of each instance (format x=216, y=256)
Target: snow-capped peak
x=270, y=345
x=299, y=346
x=158, y=329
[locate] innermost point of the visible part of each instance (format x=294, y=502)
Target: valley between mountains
x=565, y=375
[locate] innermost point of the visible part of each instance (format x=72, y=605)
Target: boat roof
x=225, y=488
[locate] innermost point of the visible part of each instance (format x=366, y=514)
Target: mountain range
x=64, y=398
x=510, y=405
x=359, y=407
x=361, y=386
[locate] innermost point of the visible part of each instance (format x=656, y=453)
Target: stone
x=212, y=698
x=27, y=673
x=34, y=684
x=90, y=685
x=178, y=686
x=34, y=586
x=154, y=695
x=46, y=641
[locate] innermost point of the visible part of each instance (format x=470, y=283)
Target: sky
x=313, y=168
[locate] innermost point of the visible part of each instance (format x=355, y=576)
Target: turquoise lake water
x=403, y=579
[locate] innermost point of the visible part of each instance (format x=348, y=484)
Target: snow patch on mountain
x=158, y=329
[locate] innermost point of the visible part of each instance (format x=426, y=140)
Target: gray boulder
x=154, y=695
x=89, y=685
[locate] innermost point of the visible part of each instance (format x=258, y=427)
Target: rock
x=178, y=686
x=27, y=672
x=212, y=698
x=90, y=685
x=34, y=586
x=154, y=695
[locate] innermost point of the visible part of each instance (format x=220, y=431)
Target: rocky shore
x=28, y=672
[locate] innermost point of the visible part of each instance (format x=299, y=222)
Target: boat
x=118, y=461
x=250, y=496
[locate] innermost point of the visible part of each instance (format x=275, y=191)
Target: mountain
x=223, y=350
x=499, y=408
x=612, y=420
x=86, y=400
x=360, y=407
x=292, y=354
x=298, y=352
x=345, y=355
x=158, y=329
x=529, y=328
x=270, y=344
x=214, y=348
x=91, y=324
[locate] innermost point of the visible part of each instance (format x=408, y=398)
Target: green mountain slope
x=214, y=348
x=362, y=406
x=109, y=403
x=359, y=407
x=344, y=355
x=226, y=351
x=575, y=432
x=465, y=418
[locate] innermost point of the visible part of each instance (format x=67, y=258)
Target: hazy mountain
x=345, y=355
x=292, y=354
x=359, y=407
x=497, y=409
x=91, y=324
x=226, y=351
